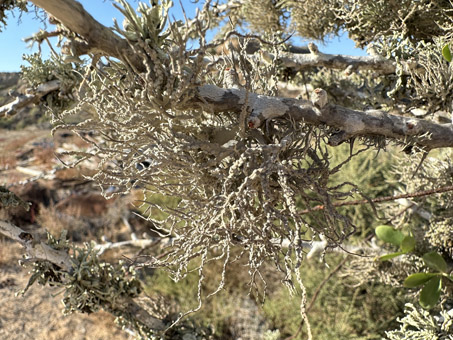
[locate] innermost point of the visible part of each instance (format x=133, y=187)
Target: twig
x=383, y=199
x=316, y=294
x=141, y=243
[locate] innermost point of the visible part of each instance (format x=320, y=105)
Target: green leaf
x=446, y=53
x=435, y=261
x=430, y=294
x=389, y=234
x=408, y=244
x=390, y=256
x=417, y=279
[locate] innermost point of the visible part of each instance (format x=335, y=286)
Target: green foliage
x=430, y=293
x=8, y=5
x=340, y=311
x=418, y=279
x=446, y=53
x=408, y=244
x=389, y=235
x=432, y=282
x=435, y=261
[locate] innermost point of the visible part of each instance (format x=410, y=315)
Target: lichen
x=419, y=324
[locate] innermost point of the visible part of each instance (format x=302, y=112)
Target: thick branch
x=27, y=99
x=35, y=248
x=351, y=123
x=100, y=39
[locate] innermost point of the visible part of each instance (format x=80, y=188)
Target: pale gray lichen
x=419, y=324
x=240, y=194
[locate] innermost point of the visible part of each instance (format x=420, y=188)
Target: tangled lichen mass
x=249, y=170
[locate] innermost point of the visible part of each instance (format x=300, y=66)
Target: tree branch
x=140, y=243
x=350, y=123
x=27, y=99
x=384, y=199
x=35, y=248
x=300, y=61
x=99, y=39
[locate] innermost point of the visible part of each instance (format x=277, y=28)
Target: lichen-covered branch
x=97, y=37
x=29, y=98
x=36, y=248
x=350, y=123
x=117, y=301
x=300, y=61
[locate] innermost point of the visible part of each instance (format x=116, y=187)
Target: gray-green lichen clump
x=91, y=284
x=418, y=324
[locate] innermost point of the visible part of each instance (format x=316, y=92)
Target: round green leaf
x=435, y=261
x=408, y=244
x=390, y=256
x=430, y=293
x=389, y=235
x=446, y=53
x=417, y=279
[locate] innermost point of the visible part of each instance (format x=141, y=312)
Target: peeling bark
x=99, y=39
x=353, y=123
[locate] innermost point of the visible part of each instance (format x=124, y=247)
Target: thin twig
x=316, y=294
x=383, y=199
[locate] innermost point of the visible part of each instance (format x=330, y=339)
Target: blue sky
x=12, y=47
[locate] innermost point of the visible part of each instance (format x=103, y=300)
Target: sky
x=12, y=46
